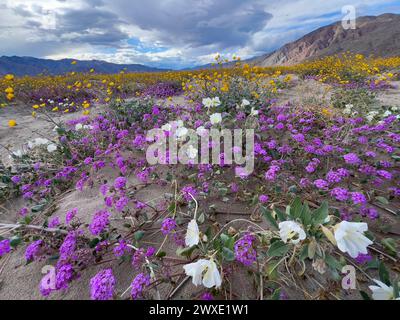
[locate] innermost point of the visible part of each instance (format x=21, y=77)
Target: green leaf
x=305, y=215
x=27, y=219
x=384, y=274
x=138, y=235
x=185, y=252
x=390, y=246
x=227, y=241
x=161, y=254
x=396, y=289
x=268, y=216
x=295, y=208
x=280, y=214
x=373, y=264
x=37, y=208
x=171, y=208
x=312, y=248
x=228, y=254
x=278, y=249
x=276, y=295
x=364, y=295
x=201, y=218
x=382, y=200
x=320, y=214
x=94, y=242
x=333, y=262
x=303, y=253
x=15, y=241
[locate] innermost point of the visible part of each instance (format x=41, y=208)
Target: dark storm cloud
x=221, y=23
x=90, y=25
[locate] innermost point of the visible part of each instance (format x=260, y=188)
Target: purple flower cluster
x=100, y=222
x=351, y=158
x=340, y=194
x=102, y=285
x=207, y=296
x=263, y=198
x=358, y=198
x=138, y=284
x=168, y=225
x=363, y=258
x=321, y=184
x=4, y=247
x=162, y=90
x=70, y=215
x=68, y=247
x=33, y=251
x=64, y=276
x=120, y=183
x=187, y=191
x=121, y=248
x=245, y=251
x=270, y=175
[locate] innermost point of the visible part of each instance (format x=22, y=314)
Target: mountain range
x=374, y=35
x=21, y=66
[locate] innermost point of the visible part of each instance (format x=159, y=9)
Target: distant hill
x=21, y=66
x=374, y=35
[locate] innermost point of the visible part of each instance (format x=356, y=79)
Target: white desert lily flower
x=201, y=131
x=51, y=147
x=382, y=291
x=211, y=102
x=191, y=152
x=215, y=118
x=387, y=113
x=350, y=238
x=18, y=154
x=181, y=132
x=177, y=123
x=291, y=231
x=80, y=126
x=166, y=127
x=245, y=103
x=192, y=234
x=37, y=142
x=204, y=272
x=253, y=112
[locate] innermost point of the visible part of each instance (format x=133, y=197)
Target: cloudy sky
x=164, y=33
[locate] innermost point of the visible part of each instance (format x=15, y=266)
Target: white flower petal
x=192, y=234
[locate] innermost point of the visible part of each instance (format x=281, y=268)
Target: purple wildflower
x=100, y=222
x=138, y=284
x=4, y=247
x=102, y=285
x=68, y=247
x=358, y=198
x=321, y=184
x=33, y=250
x=70, y=215
x=363, y=258
x=64, y=275
x=207, y=296
x=244, y=250
x=263, y=198
x=351, y=158
x=121, y=248
x=120, y=183
x=168, y=225
x=340, y=194
x=16, y=179
x=187, y=191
